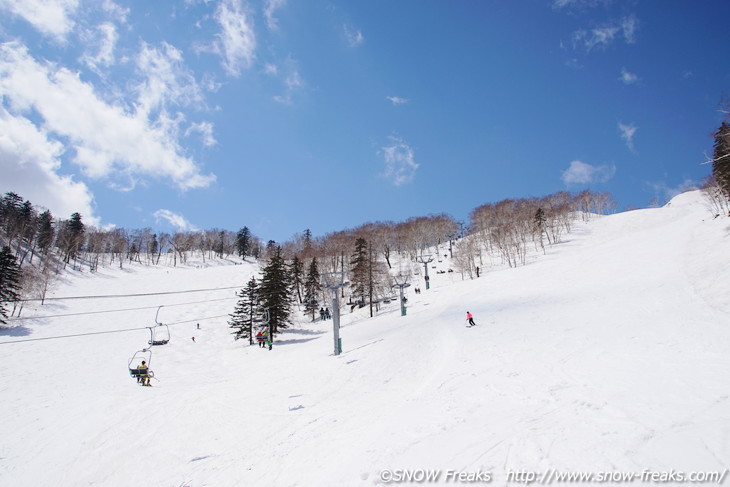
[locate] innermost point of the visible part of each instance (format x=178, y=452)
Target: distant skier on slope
x=470, y=319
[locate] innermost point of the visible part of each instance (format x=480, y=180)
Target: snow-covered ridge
x=608, y=353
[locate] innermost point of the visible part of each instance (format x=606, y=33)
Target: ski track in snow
x=607, y=353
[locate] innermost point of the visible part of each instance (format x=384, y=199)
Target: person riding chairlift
x=143, y=376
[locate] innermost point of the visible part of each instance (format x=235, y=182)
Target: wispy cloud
x=270, y=9
x=177, y=221
x=629, y=26
x=663, y=192
x=627, y=77
x=602, y=36
x=100, y=42
x=205, y=130
x=558, y=4
x=165, y=81
x=236, y=43
x=627, y=133
x=400, y=165
x=582, y=173
x=354, y=37
x=396, y=100
x=49, y=17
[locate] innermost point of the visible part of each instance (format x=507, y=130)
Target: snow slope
x=607, y=354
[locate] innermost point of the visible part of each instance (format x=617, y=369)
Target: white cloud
x=582, y=173
x=166, y=80
x=174, y=219
x=558, y=4
x=604, y=35
x=396, y=100
x=205, y=129
x=104, y=139
x=400, y=166
x=29, y=164
x=627, y=77
x=270, y=9
x=293, y=82
x=627, y=133
x=102, y=41
x=663, y=192
x=50, y=17
x=630, y=25
x=236, y=42
x=354, y=37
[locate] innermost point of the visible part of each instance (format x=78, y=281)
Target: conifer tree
x=275, y=291
x=245, y=313
x=312, y=288
x=243, y=242
x=359, y=269
x=297, y=274
x=46, y=233
x=9, y=281
x=721, y=160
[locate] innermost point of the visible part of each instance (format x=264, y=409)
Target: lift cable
x=109, y=331
x=113, y=310
x=136, y=295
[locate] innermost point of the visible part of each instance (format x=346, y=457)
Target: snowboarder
x=143, y=377
x=470, y=319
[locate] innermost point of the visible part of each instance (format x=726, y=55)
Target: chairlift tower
x=425, y=260
x=401, y=281
x=334, y=281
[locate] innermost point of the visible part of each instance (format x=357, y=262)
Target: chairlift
x=144, y=355
x=262, y=316
x=160, y=333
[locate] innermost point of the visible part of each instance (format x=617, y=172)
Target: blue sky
x=283, y=115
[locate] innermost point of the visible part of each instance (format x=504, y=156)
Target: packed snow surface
x=607, y=354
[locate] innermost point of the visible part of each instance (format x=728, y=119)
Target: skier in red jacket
x=470, y=319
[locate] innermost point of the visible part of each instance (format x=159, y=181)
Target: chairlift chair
x=136, y=360
x=160, y=333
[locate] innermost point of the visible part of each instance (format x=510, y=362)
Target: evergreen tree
x=10, y=208
x=539, y=221
x=307, y=243
x=46, y=233
x=72, y=236
x=9, y=281
x=245, y=313
x=243, y=242
x=297, y=274
x=359, y=269
x=721, y=160
x=274, y=291
x=312, y=289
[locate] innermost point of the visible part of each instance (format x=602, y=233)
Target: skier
x=321, y=314
x=327, y=313
x=198, y=326
x=470, y=319
x=260, y=339
x=193, y=338
x=144, y=377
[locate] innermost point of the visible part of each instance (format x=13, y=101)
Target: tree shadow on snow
x=15, y=331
